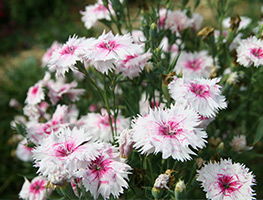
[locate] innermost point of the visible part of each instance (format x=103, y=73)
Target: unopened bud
x=180, y=186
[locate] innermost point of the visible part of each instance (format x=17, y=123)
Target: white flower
x=23, y=152
x=66, y=57
x=105, y=175
x=65, y=150
x=108, y=49
x=196, y=64
x=99, y=125
x=171, y=132
x=250, y=52
x=245, y=21
x=180, y=186
x=202, y=95
x=36, y=190
x=47, y=56
x=225, y=180
x=239, y=143
x=35, y=94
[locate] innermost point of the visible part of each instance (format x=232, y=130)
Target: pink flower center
x=100, y=8
x=170, y=128
x=35, y=90
x=257, y=52
x=129, y=57
x=194, y=64
x=106, y=120
x=227, y=184
x=109, y=45
x=68, y=50
x=200, y=90
x=37, y=186
x=100, y=166
x=64, y=149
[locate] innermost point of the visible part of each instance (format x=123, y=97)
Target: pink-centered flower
x=226, y=180
x=66, y=149
x=35, y=94
x=171, y=132
x=105, y=175
x=132, y=65
x=59, y=88
x=47, y=56
x=100, y=125
x=23, y=152
x=202, y=95
x=108, y=49
x=36, y=190
x=94, y=13
x=192, y=65
x=66, y=57
x=250, y=52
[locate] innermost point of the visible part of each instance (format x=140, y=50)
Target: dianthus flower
x=105, y=175
x=23, y=152
x=196, y=64
x=66, y=57
x=47, y=56
x=132, y=65
x=202, y=95
x=169, y=131
x=94, y=13
x=35, y=94
x=100, y=127
x=226, y=180
x=108, y=49
x=36, y=190
x=250, y=52
x=65, y=150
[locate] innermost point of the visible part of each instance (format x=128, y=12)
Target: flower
x=180, y=186
x=23, y=152
x=196, y=64
x=47, y=56
x=250, y=52
x=132, y=65
x=58, y=89
x=226, y=180
x=169, y=131
x=108, y=49
x=65, y=151
x=35, y=94
x=66, y=57
x=36, y=190
x=202, y=95
x=99, y=125
x=239, y=143
x=106, y=174
x=94, y=13
x=125, y=143
x=245, y=21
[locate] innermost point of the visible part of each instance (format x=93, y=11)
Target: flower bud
x=180, y=186
x=239, y=143
x=126, y=143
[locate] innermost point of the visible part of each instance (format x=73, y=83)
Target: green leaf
x=259, y=132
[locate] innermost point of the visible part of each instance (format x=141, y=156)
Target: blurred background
x=27, y=29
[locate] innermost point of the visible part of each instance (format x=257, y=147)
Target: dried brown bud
x=234, y=23
x=167, y=78
x=205, y=32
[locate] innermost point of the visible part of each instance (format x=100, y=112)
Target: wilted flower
x=250, y=52
x=239, y=143
x=125, y=143
x=225, y=180
x=202, y=95
x=36, y=190
x=169, y=131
